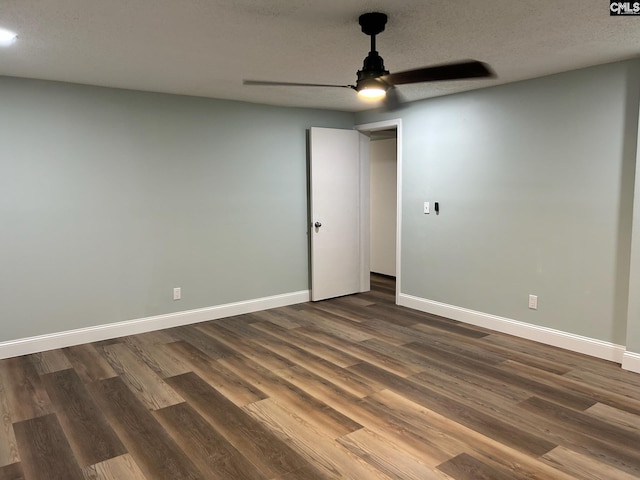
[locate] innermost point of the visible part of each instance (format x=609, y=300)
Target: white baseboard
x=41, y=343
x=548, y=336
x=631, y=362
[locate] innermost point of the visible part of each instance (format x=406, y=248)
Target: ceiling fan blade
x=451, y=71
x=291, y=84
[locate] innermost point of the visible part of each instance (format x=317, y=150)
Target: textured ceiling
x=207, y=47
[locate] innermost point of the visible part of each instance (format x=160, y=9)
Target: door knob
x=317, y=224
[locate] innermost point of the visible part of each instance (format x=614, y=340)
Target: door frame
x=364, y=175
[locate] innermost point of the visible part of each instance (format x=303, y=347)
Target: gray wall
x=535, y=182
x=110, y=198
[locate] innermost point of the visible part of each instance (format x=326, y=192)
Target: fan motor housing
x=373, y=67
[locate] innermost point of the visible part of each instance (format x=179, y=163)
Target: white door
x=339, y=213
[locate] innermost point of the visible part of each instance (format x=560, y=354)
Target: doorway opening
x=385, y=168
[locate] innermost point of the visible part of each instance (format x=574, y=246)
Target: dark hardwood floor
x=353, y=388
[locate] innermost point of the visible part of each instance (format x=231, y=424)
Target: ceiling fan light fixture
x=371, y=88
x=372, y=92
x=374, y=82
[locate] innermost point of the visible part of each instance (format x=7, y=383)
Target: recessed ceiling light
x=7, y=37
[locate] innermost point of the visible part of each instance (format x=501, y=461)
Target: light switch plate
x=426, y=207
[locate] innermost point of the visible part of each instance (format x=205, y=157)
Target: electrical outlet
x=533, y=302
x=177, y=293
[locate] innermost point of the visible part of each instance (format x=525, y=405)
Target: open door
x=339, y=212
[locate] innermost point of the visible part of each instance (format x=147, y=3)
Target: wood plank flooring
x=348, y=388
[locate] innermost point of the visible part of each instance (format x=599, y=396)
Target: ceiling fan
x=374, y=81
